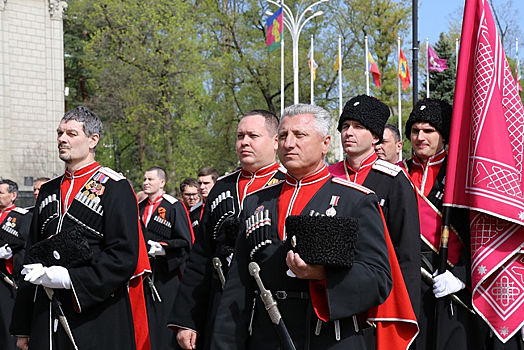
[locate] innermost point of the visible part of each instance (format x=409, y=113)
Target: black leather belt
x=282, y=294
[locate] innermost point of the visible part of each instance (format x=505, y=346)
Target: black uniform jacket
x=459, y=328
x=398, y=201
x=168, y=224
x=200, y=288
x=348, y=292
x=14, y=227
x=97, y=306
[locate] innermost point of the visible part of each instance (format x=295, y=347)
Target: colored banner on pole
x=485, y=167
x=403, y=70
x=275, y=27
x=375, y=73
x=436, y=64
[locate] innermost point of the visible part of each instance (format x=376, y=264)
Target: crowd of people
x=287, y=255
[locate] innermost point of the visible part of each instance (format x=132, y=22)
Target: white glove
x=6, y=252
x=33, y=272
x=156, y=249
x=52, y=277
x=445, y=284
x=56, y=277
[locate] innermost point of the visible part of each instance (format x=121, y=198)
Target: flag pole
x=340, y=88
x=367, y=65
x=312, y=70
x=427, y=67
x=399, y=99
x=282, y=98
x=517, y=63
x=456, y=54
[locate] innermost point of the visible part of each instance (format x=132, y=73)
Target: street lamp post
x=295, y=24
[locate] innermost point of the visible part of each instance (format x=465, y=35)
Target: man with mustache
x=91, y=253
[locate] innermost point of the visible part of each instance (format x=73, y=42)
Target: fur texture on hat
x=368, y=111
x=433, y=111
x=324, y=240
x=68, y=248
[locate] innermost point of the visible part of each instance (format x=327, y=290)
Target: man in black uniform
x=14, y=229
x=428, y=128
x=361, y=127
x=319, y=305
x=95, y=208
x=169, y=239
x=190, y=195
x=201, y=287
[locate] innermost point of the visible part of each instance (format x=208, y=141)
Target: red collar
x=320, y=175
x=83, y=171
x=433, y=160
x=9, y=208
x=6, y=212
x=250, y=182
x=264, y=171
x=359, y=176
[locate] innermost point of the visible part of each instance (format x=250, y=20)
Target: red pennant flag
x=485, y=167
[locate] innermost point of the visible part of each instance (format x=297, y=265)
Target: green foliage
x=171, y=79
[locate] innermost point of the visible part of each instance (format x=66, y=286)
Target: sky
x=434, y=16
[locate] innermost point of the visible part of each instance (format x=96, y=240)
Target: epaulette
x=196, y=206
x=386, y=167
x=169, y=198
x=267, y=186
x=112, y=174
x=352, y=185
x=21, y=210
x=229, y=174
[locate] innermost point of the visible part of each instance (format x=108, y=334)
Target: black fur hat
x=324, y=240
x=368, y=111
x=433, y=111
x=68, y=248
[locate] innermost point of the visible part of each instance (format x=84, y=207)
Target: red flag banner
x=373, y=68
x=485, y=170
x=403, y=70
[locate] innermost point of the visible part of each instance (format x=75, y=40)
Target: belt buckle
x=281, y=294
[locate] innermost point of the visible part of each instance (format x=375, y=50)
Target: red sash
x=431, y=228
x=395, y=319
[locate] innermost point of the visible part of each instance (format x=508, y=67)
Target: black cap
x=433, y=111
x=368, y=111
x=324, y=240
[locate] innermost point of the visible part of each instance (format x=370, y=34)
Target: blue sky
x=434, y=16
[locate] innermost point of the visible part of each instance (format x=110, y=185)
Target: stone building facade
x=31, y=90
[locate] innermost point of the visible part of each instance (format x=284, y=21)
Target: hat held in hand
x=324, y=240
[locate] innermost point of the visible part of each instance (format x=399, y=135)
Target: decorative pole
x=295, y=24
x=414, y=9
